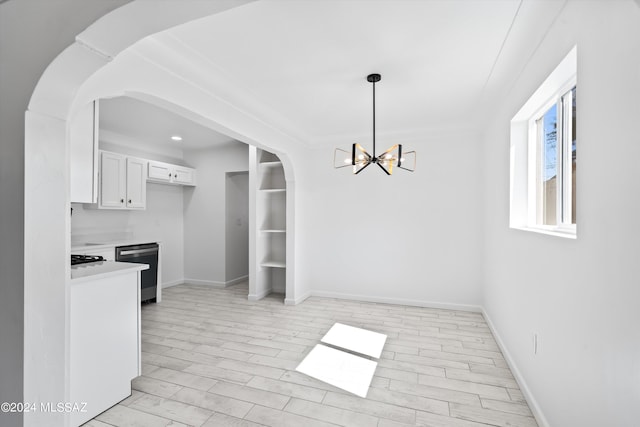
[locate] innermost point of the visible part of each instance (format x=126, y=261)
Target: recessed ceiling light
x=176, y=138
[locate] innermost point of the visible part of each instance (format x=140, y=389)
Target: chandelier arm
x=388, y=159
x=382, y=167
x=363, y=168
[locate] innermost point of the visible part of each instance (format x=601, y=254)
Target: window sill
x=567, y=233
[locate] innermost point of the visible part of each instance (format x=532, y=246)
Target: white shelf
x=269, y=273
x=270, y=164
x=276, y=264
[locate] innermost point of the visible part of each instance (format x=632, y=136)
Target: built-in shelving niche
x=268, y=274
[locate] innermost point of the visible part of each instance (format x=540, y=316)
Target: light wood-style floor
x=211, y=358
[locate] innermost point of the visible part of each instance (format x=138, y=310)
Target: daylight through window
x=555, y=139
x=542, y=156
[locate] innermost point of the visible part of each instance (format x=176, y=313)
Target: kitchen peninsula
x=104, y=339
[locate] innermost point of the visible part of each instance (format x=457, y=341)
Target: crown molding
x=169, y=53
x=409, y=136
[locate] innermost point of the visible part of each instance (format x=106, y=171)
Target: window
x=555, y=163
x=543, y=156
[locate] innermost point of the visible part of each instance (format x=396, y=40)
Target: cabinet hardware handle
x=129, y=200
x=169, y=174
x=175, y=175
x=139, y=251
x=121, y=200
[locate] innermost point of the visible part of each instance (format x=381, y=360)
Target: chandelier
x=359, y=159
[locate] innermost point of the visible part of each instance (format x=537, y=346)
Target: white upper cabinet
x=136, y=183
x=122, y=182
x=113, y=176
x=184, y=176
x=159, y=171
x=171, y=174
x=83, y=146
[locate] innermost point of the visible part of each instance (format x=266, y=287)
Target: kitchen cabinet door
x=184, y=176
x=83, y=147
x=171, y=174
x=136, y=183
x=113, y=177
x=159, y=171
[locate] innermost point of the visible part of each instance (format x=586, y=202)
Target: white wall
x=585, y=374
x=32, y=33
x=162, y=152
x=130, y=73
x=205, y=213
x=237, y=226
x=162, y=220
x=581, y=296
x=410, y=238
x=46, y=183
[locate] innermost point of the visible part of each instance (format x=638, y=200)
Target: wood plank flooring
x=211, y=358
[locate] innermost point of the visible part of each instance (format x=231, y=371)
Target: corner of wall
x=524, y=387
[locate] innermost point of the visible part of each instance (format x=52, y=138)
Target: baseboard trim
x=398, y=301
x=174, y=283
x=296, y=301
x=236, y=280
x=256, y=297
x=524, y=388
x=214, y=283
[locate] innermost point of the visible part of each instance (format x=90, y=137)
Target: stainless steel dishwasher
x=143, y=254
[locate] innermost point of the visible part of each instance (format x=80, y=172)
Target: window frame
x=563, y=102
x=523, y=156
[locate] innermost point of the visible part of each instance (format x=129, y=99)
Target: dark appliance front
x=143, y=254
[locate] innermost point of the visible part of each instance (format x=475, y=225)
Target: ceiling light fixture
x=176, y=138
x=360, y=159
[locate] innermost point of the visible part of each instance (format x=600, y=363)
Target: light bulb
x=347, y=161
x=360, y=157
x=388, y=156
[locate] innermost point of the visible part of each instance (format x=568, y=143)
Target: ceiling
x=308, y=60
x=301, y=66
x=146, y=126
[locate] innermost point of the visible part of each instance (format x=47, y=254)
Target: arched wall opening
x=80, y=74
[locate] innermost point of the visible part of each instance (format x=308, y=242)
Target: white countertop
x=80, y=247
x=100, y=269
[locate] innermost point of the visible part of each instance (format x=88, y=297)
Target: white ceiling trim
x=506, y=37
x=531, y=26
x=172, y=56
x=384, y=139
x=132, y=23
x=206, y=72
x=200, y=64
x=513, y=31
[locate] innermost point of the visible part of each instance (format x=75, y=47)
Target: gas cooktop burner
x=83, y=259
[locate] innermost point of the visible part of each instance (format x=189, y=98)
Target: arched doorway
x=96, y=66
